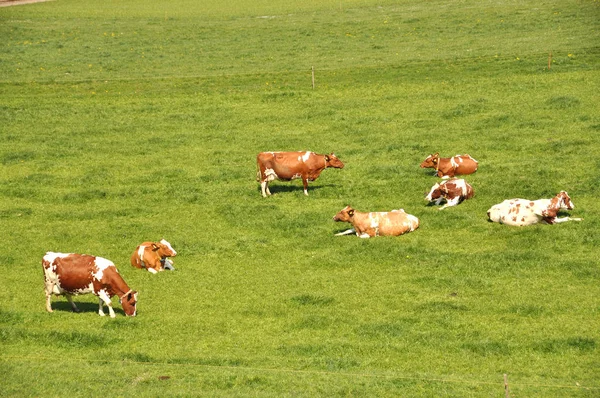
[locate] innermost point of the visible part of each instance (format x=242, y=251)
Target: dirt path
x=8, y=3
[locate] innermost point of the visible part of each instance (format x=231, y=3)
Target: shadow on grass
x=83, y=307
x=275, y=189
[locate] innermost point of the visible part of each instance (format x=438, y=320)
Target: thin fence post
x=313, y=77
x=506, y=393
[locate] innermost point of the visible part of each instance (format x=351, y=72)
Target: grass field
x=126, y=121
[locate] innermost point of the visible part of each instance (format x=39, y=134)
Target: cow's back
x=282, y=165
x=396, y=222
x=138, y=254
x=70, y=273
x=465, y=164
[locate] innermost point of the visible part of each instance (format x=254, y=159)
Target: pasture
x=122, y=122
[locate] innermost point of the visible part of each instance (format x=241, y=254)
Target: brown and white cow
x=449, y=167
x=367, y=225
x=288, y=166
x=520, y=212
x=72, y=274
x=453, y=191
x=153, y=256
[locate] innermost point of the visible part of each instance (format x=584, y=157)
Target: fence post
x=506, y=393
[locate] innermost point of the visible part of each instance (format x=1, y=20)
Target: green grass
x=129, y=121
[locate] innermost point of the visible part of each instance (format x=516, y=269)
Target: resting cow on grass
x=520, y=212
x=72, y=274
x=453, y=191
x=153, y=256
x=449, y=167
x=288, y=166
x=367, y=225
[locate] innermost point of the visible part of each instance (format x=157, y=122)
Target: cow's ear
x=327, y=158
x=155, y=247
x=351, y=212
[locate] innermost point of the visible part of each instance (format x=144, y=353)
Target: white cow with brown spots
x=453, y=192
x=520, y=212
x=367, y=225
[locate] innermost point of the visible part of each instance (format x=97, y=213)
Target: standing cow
x=520, y=212
x=153, y=256
x=449, y=167
x=288, y=166
x=368, y=225
x=72, y=274
x=453, y=191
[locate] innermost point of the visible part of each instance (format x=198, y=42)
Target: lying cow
x=367, y=225
x=288, y=166
x=449, y=167
x=72, y=274
x=453, y=191
x=153, y=256
x=521, y=212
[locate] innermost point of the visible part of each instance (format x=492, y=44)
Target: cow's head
x=345, y=214
x=333, y=161
x=431, y=161
x=163, y=249
x=435, y=193
x=565, y=201
x=129, y=302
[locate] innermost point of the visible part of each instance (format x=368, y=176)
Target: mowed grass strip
x=135, y=122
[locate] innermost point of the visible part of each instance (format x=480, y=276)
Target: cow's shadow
x=84, y=307
x=275, y=189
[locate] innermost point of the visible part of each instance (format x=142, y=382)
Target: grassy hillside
x=130, y=121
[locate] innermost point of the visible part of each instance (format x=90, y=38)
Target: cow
x=367, y=225
x=449, y=167
x=73, y=274
x=453, y=191
x=288, y=166
x=520, y=212
x=153, y=256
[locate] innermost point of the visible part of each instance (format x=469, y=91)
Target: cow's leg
x=152, y=270
x=263, y=188
x=451, y=202
x=439, y=200
x=103, y=297
x=100, y=305
x=70, y=300
x=564, y=219
x=169, y=265
x=347, y=232
x=49, y=288
x=305, y=184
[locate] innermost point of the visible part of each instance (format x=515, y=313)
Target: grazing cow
x=521, y=212
x=153, y=256
x=288, y=166
x=453, y=191
x=72, y=274
x=367, y=225
x=449, y=167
